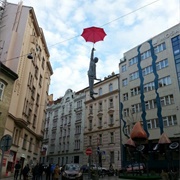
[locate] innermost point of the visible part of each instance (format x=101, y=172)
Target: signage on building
x=6, y=142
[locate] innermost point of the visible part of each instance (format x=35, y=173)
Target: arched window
x=110, y=87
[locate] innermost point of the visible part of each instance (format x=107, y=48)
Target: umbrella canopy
x=93, y=34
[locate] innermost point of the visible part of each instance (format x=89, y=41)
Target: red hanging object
x=93, y=34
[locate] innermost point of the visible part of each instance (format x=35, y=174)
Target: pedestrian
x=35, y=172
x=56, y=172
x=25, y=172
x=48, y=172
x=164, y=175
x=17, y=170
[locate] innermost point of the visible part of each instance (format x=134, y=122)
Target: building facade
x=102, y=124
x=150, y=91
x=24, y=51
x=63, y=137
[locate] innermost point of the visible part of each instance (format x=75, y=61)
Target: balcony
x=111, y=108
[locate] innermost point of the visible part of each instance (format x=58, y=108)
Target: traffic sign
x=6, y=142
x=88, y=151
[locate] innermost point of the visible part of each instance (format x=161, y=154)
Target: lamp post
x=120, y=114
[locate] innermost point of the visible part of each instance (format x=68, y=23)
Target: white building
x=63, y=138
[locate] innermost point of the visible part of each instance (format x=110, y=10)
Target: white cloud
x=126, y=26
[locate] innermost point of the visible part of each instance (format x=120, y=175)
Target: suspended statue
x=92, y=73
x=93, y=34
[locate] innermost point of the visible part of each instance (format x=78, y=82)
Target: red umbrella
x=93, y=34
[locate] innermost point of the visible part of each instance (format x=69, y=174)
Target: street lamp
x=120, y=117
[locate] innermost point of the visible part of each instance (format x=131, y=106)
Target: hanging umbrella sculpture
x=93, y=34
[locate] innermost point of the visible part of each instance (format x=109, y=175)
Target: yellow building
x=24, y=51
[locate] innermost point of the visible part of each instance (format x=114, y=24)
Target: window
x=25, y=141
x=90, y=109
x=77, y=144
x=40, y=81
x=34, y=120
x=79, y=104
x=111, y=103
x=147, y=70
x=126, y=112
x=160, y=47
x=100, y=121
x=124, y=68
x=36, y=72
x=90, y=124
x=135, y=91
x=149, y=87
x=100, y=106
x=125, y=97
x=43, y=62
x=2, y=87
x=112, y=157
x=100, y=138
x=78, y=129
x=133, y=60
x=30, y=144
x=111, y=119
x=111, y=137
x=167, y=100
x=110, y=87
x=146, y=54
x=162, y=64
x=133, y=76
x=90, y=140
x=100, y=91
x=124, y=82
x=164, y=81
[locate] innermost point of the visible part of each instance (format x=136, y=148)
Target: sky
x=127, y=24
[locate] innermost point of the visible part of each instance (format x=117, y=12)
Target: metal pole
x=121, y=149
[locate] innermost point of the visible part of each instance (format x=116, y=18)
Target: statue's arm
x=92, y=54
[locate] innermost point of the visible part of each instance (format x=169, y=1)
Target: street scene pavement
x=84, y=178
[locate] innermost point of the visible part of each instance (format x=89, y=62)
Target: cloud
x=127, y=24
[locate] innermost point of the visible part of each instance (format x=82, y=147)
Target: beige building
x=20, y=35
x=150, y=93
x=102, y=124
x=7, y=78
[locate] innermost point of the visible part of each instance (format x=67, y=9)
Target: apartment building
x=24, y=51
x=63, y=137
x=150, y=93
x=102, y=124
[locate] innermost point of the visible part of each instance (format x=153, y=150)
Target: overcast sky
x=127, y=24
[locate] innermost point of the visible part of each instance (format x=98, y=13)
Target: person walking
x=56, y=172
x=25, y=172
x=48, y=172
x=17, y=170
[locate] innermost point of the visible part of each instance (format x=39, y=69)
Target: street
x=85, y=178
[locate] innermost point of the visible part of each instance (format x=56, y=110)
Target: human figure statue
x=92, y=73
x=17, y=170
